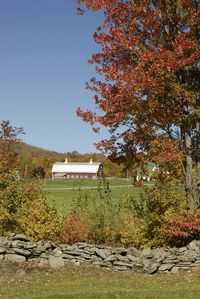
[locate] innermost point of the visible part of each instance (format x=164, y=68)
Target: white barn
x=67, y=171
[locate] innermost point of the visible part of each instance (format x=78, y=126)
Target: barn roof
x=76, y=167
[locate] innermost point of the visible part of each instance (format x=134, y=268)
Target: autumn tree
x=149, y=97
x=9, y=137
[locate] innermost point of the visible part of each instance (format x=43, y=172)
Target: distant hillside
x=32, y=156
x=37, y=152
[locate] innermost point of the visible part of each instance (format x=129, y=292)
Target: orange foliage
x=74, y=230
x=149, y=59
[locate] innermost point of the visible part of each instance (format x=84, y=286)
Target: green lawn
x=87, y=283
x=83, y=183
x=63, y=198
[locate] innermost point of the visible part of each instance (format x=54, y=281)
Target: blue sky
x=44, y=49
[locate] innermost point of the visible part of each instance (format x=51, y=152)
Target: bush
x=146, y=216
x=74, y=230
x=39, y=220
x=180, y=229
x=24, y=208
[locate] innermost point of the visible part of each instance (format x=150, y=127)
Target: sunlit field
x=63, y=193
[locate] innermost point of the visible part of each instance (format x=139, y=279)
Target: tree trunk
x=188, y=171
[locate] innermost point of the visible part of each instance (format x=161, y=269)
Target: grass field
x=62, y=193
x=83, y=183
x=91, y=283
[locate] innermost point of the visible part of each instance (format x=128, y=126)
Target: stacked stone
x=18, y=248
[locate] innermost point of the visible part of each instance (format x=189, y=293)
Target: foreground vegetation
x=110, y=212
x=87, y=283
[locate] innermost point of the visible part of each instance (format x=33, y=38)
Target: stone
x=2, y=250
x=146, y=251
x=30, y=245
x=44, y=255
x=10, y=251
x=151, y=267
x=63, y=247
x=56, y=261
x=194, y=245
x=7, y=243
x=128, y=265
x=121, y=257
x=122, y=251
x=92, y=249
x=18, y=248
x=138, y=265
x=133, y=251
x=188, y=256
x=85, y=256
x=103, y=253
x=20, y=251
x=53, y=245
x=57, y=252
x=111, y=258
x=74, y=253
x=96, y=258
x=15, y=257
x=67, y=256
x=47, y=245
x=132, y=258
x=38, y=250
x=18, y=244
x=159, y=254
x=182, y=249
x=79, y=258
x=69, y=247
x=82, y=245
x=21, y=237
x=165, y=267
x=175, y=260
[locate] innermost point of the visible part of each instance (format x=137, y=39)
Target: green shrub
x=24, y=208
x=146, y=216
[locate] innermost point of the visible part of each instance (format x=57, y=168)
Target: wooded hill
x=38, y=161
x=31, y=151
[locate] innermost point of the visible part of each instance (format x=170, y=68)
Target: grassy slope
x=87, y=282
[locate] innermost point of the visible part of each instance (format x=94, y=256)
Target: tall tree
x=9, y=137
x=150, y=95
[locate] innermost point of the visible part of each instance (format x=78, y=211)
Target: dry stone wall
x=19, y=248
